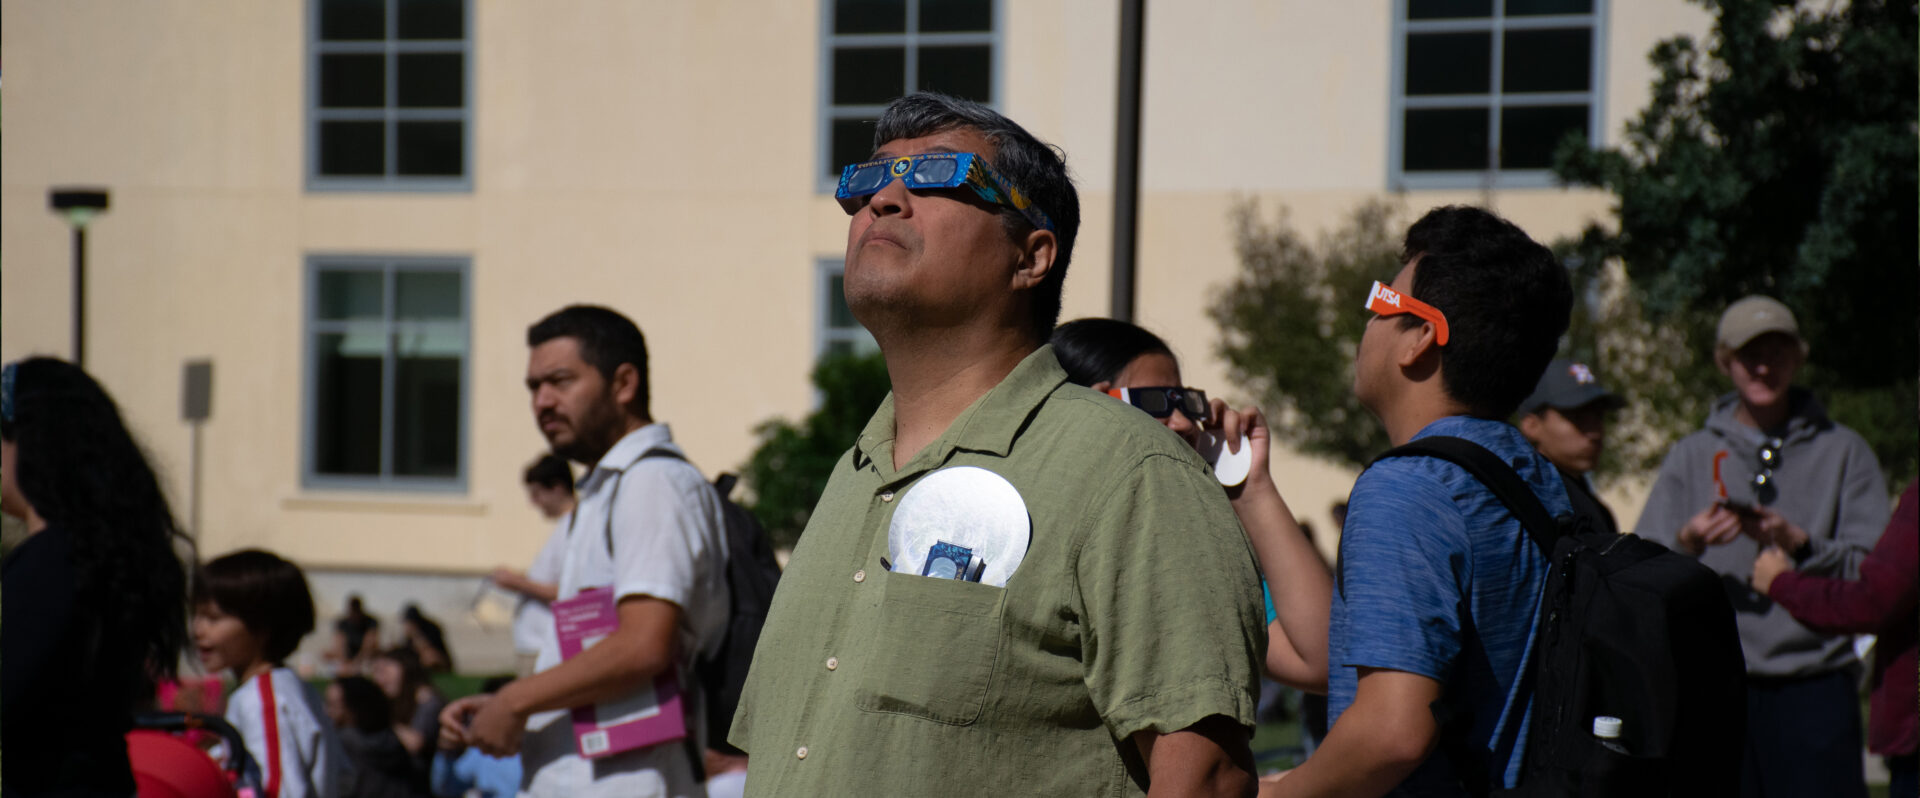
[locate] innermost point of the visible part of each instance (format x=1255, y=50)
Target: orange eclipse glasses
x=1384, y=301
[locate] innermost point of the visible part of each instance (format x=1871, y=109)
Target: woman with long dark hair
x=94, y=599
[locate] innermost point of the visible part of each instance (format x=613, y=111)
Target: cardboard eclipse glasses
x=1384, y=301
x=934, y=170
x=1161, y=402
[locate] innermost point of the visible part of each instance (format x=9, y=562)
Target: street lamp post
x=79, y=206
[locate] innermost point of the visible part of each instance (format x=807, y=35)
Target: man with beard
x=648, y=529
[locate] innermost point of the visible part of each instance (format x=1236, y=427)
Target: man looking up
x=648, y=529
x=1566, y=419
x=1121, y=654
x=1771, y=469
x=1433, y=606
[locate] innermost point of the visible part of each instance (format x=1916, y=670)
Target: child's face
x=223, y=641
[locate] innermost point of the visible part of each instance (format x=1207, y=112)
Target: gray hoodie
x=1829, y=484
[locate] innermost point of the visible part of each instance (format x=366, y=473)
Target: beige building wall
x=655, y=157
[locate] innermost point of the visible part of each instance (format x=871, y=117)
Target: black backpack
x=752, y=574
x=1626, y=629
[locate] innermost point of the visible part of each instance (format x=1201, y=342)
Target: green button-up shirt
x=1137, y=608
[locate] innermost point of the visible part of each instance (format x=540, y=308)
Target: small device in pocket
x=948, y=561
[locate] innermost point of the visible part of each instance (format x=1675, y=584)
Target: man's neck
x=1413, y=412
x=1765, y=419
x=935, y=379
x=627, y=426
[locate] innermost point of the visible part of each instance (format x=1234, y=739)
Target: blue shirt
x=494, y=777
x=1437, y=578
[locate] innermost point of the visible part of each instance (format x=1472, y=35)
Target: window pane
x=352, y=148
x=352, y=20
x=869, y=16
x=431, y=80
x=346, y=412
x=852, y=143
x=959, y=71
x=1547, y=60
x=1449, y=63
x=351, y=294
x=1444, y=139
x=424, y=296
x=1448, y=9
x=426, y=403
x=1529, y=135
x=943, y=16
x=358, y=80
x=430, y=149
x=1530, y=8
x=839, y=316
x=868, y=75
x=432, y=19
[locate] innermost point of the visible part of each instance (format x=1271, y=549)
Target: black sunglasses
x=1764, y=487
x=1160, y=402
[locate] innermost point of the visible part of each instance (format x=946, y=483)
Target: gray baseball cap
x=1751, y=317
x=1567, y=385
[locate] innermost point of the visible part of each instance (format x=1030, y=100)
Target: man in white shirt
x=647, y=527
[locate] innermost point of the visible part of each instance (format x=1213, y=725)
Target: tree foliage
x=1291, y=321
x=1778, y=158
x=789, y=470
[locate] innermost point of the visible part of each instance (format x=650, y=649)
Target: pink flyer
x=649, y=716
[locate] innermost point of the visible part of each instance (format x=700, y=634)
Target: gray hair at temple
x=1039, y=170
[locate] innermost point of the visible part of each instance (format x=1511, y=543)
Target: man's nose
x=892, y=198
x=1178, y=422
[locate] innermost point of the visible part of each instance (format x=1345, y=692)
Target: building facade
x=354, y=208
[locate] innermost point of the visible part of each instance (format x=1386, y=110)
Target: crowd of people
x=1109, y=639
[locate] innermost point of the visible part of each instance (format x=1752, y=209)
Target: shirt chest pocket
x=938, y=642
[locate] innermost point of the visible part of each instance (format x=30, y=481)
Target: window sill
x=355, y=502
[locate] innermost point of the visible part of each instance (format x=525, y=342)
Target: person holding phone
x=1770, y=468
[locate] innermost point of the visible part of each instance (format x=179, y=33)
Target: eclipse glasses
x=1161, y=402
x=934, y=170
x=1384, y=301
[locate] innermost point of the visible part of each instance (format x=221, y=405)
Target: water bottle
x=1606, y=729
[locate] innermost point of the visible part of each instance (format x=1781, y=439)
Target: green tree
x=1291, y=322
x=789, y=470
x=1780, y=159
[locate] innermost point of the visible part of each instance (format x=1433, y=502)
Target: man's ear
x=1037, y=251
x=1723, y=360
x=1530, y=427
x=625, y=385
x=1416, y=343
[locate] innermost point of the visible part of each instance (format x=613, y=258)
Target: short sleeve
x=1170, y=596
x=546, y=565
x=1403, y=568
x=662, y=533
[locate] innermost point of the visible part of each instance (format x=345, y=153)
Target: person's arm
x=1858, y=520
x=1887, y=590
x=1302, y=588
x=1377, y=743
x=517, y=582
x=1679, y=516
x=1213, y=757
x=641, y=648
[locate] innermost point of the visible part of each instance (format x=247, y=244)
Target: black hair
x=1097, y=350
x=372, y=711
x=430, y=632
x=81, y=471
x=1506, y=300
x=550, y=471
x=413, y=676
x=1038, y=170
x=607, y=339
x=268, y=594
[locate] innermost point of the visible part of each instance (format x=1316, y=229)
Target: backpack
x=1627, y=629
x=752, y=575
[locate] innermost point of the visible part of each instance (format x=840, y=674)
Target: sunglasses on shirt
x=1161, y=402
x=1384, y=301
x=935, y=170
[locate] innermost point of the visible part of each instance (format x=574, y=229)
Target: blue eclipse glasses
x=935, y=170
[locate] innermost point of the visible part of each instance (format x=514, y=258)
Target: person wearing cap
x=1770, y=469
x=1566, y=420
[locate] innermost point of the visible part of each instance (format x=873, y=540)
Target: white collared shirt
x=668, y=543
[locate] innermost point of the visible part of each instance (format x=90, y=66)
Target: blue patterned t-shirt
x=1437, y=578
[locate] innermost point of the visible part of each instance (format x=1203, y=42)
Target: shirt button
x=887, y=496
x=833, y=663
x=860, y=575
x=801, y=754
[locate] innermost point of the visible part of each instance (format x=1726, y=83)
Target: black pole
x=1126, y=157
x=80, y=295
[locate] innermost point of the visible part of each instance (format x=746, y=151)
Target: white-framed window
x=387, y=343
x=1484, y=91
x=389, y=95
x=874, y=51
x=835, y=329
